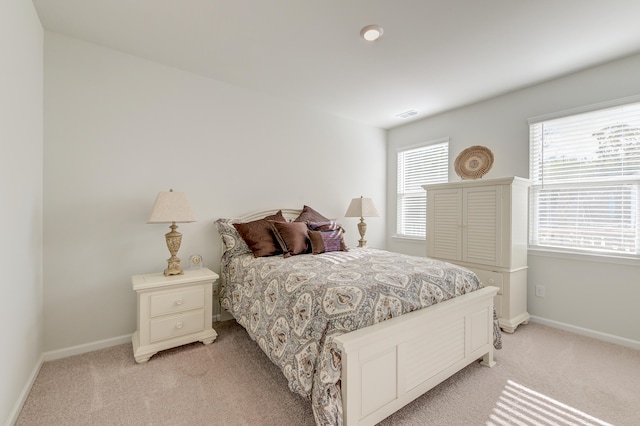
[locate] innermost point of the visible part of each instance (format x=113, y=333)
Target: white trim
x=409, y=239
x=586, y=108
x=15, y=412
x=584, y=257
x=606, y=337
x=94, y=346
x=87, y=347
x=422, y=144
x=289, y=214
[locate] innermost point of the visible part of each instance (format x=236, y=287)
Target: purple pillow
x=330, y=225
x=326, y=241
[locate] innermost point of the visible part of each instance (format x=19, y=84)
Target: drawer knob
x=179, y=301
x=491, y=281
x=179, y=325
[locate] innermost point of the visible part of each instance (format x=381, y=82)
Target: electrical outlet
x=540, y=290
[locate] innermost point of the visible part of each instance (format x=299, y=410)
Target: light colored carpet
x=543, y=376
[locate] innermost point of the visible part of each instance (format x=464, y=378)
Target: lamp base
x=174, y=238
x=362, y=229
x=173, y=267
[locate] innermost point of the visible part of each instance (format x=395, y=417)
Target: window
x=585, y=175
x=416, y=167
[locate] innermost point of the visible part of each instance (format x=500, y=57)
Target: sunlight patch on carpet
x=519, y=405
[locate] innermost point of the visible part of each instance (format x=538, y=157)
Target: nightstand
x=173, y=311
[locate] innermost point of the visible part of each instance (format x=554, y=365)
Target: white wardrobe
x=482, y=225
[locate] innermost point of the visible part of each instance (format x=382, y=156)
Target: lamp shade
x=361, y=207
x=171, y=207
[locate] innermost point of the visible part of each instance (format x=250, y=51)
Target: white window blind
x=417, y=167
x=585, y=175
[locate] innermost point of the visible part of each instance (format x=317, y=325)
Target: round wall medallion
x=474, y=162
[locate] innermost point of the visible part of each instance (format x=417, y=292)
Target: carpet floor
x=543, y=376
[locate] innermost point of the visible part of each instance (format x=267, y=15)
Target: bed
x=348, y=328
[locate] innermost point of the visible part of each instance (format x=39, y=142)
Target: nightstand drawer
x=177, y=301
x=177, y=325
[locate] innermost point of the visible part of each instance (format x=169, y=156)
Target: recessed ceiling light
x=371, y=32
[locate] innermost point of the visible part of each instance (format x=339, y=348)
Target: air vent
x=408, y=114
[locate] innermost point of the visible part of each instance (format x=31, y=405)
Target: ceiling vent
x=407, y=114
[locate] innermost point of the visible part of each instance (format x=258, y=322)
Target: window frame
x=419, y=193
x=575, y=252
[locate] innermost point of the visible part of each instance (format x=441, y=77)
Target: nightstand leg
x=210, y=340
x=143, y=359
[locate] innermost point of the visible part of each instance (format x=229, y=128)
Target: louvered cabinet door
x=444, y=224
x=482, y=225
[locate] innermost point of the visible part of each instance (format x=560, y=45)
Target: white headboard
x=289, y=214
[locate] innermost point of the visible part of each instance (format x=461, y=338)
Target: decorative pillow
x=310, y=215
x=325, y=241
x=292, y=237
x=330, y=225
x=259, y=236
x=232, y=241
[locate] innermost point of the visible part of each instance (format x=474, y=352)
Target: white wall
x=119, y=129
x=21, y=50
x=600, y=297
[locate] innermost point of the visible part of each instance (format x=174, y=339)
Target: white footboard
x=389, y=364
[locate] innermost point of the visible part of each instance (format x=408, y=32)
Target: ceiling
x=435, y=55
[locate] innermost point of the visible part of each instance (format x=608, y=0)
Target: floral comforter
x=294, y=307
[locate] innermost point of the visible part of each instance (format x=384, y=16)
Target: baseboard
x=88, y=347
x=94, y=346
x=13, y=416
x=634, y=344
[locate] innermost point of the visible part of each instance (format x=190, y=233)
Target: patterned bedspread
x=294, y=307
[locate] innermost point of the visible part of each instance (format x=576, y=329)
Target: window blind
x=417, y=167
x=585, y=176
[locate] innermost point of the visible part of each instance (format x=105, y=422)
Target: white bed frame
x=387, y=365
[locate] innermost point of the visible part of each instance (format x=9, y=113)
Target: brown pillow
x=325, y=241
x=292, y=237
x=310, y=215
x=259, y=236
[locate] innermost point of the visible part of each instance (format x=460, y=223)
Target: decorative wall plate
x=474, y=162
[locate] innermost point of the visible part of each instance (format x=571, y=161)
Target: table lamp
x=361, y=207
x=172, y=207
